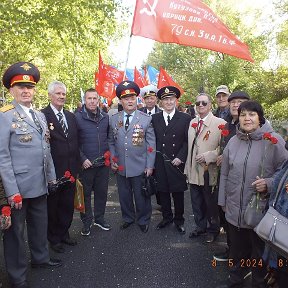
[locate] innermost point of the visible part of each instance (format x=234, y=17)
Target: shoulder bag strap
x=280, y=186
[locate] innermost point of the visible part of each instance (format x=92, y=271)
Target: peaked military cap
x=21, y=73
x=127, y=88
x=168, y=91
x=149, y=90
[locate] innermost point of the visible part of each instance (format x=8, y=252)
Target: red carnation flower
x=120, y=168
x=188, y=103
x=225, y=132
x=274, y=140
x=114, y=159
x=221, y=126
x=67, y=174
x=107, y=162
x=107, y=154
x=267, y=136
x=194, y=125
x=6, y=211
x=72, y=179
x=17, y=199
x=150, y=149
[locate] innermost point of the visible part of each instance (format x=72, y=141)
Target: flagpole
x=127, y=57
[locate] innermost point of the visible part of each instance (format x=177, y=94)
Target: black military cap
x=238, y=95
x=21, y=73
x=168, y=91
x=127, y=88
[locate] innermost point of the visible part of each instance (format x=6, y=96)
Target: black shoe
x=197, y=233
x=52, y=263
x=180, y=229
x=86, y=231
x=69, y=241
x=125, y=225
x=144, y=228
x=19, y=285
x=222, y=257
x=103, y=225
x=58, y=248
x=164, y=223
x=211, y=237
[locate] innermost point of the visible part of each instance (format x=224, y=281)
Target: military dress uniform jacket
x=26, y=165
x=64, y=150
x=131, y=146
x=207, y=143
x=171, y=140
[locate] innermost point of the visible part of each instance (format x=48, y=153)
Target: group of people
x=42, y=153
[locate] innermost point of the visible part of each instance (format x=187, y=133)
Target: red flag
x=190, y=23
x=165, y=80
x=100, y=76
x=138, y=78
x=113, y=74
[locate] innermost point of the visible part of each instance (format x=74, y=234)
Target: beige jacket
x=206, y=143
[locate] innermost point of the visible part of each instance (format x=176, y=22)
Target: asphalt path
x=129, y=258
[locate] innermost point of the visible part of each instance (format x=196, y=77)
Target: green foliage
x=61, y=37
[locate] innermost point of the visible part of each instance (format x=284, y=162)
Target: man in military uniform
x=149, y=94
x=26, y=168
x=171, y=130
x=130, y=136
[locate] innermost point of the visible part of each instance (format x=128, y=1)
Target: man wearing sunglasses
x=203, y=141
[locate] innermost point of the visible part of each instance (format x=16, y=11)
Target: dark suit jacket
x=65, y=151
x=144, y=109
x=171, y=140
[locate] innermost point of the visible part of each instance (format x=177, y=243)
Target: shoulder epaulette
x=6, y=108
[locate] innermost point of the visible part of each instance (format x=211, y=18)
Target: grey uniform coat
x=26, y=164
x=131, y=146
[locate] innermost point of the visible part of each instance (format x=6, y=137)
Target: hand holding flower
x=260, y=185
x=87, y=164
x=200, y=159
x=15, y=201
x=176, y=161
x=5, y=218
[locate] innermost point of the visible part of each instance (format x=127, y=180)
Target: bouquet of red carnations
x=66, y=179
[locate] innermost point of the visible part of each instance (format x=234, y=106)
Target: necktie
x=149, y=113
x=199, y=126
x=168, y=119
x=62, y=123
x=127, y=121
x=35, y=120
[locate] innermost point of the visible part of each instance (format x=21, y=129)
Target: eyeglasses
x=204, y=103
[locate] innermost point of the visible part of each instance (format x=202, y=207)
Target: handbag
x=273, y=228
x=255, y=210
x=79, y=203
x=149, y=185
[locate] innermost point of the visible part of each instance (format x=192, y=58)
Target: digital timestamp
x=252, y=263
x=244, y=263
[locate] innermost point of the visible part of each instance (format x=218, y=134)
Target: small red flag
x=190, y=23
x=165, y=80
x=138, y=78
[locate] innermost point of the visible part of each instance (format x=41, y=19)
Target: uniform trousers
x=129, y=188
x=205, y=208
x=246, y=250
x=34, y=212
x=94, y=179
x=178, y=199
x=60, y=213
